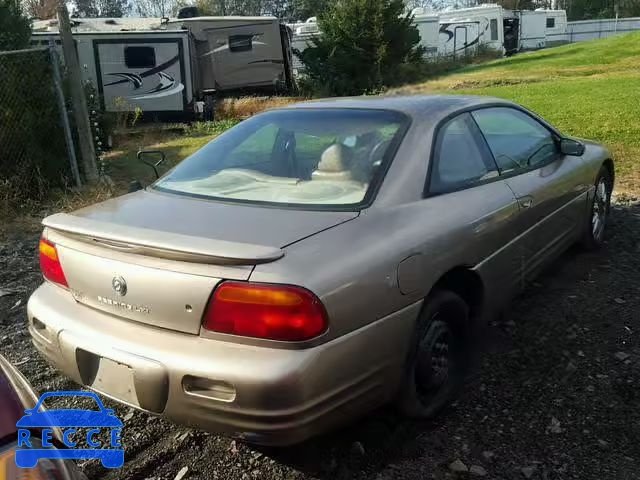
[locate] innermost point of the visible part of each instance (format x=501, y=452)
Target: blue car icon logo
x=69, y=421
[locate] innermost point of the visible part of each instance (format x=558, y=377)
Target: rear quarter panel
x=353, y=268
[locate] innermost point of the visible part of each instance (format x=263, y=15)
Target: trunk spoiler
x=154, y=243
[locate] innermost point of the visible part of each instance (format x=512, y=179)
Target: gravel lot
x=555, y=393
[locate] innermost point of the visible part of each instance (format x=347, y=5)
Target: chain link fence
x=34, y=151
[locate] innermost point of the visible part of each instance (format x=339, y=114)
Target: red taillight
x=275, y=312
x=50, y=263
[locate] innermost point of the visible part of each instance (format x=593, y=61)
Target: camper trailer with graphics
x=238, y=53
x=491, y=26
x=163, y=65
x=463, y=31
x=147, y=69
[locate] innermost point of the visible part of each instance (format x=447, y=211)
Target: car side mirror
x=147, y=156
x=571, y=147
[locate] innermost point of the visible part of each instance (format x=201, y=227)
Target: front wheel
x=438, y=357
x=599, y=212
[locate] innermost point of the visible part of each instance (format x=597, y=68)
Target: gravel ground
x=555, y=393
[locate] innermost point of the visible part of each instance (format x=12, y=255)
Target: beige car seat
x=333, y=164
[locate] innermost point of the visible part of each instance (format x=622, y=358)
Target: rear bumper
x=271, y=396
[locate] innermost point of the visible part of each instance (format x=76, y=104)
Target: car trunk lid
x=156, y=260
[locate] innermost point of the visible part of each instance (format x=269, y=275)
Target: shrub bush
x=365, y=45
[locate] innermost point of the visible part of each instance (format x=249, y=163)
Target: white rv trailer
x=464, y=30
x=532, y=29
x=556, y=27
x=582, y=30
x=163, y=65
x=508, y=31
x=301, y=38
x=428, y=27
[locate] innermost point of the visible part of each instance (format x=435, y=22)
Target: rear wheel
x=438, y=358
x=599, y=211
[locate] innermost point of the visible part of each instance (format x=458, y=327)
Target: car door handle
x=526, y=201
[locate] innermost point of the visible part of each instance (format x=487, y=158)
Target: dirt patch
x=555, y=394
x=497, y=82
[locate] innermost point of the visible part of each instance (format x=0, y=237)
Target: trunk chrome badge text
x=124, y=306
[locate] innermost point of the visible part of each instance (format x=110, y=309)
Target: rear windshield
x=315, y=157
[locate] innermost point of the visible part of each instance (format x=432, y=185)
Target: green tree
x=303, y=9
x=15, y=27
x=365, y=45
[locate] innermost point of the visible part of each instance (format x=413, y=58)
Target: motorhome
x=163, y=65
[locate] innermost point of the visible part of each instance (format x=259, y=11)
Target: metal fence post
x=78, y=101
x=57, y=81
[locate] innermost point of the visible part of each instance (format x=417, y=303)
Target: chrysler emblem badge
x=119, y=286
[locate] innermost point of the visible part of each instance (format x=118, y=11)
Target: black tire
x=600, y=206
x=438, y=358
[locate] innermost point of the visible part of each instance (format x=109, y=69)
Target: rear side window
x=240, y=43
x=139, y=57
x=460, y=159
x=494, y=29
x=551, y=22
x=516, y=140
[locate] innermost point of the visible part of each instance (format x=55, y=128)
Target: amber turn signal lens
x=50, y=263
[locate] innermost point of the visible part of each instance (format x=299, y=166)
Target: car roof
x=416, y=106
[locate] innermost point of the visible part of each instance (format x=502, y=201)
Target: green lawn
x=588, y=89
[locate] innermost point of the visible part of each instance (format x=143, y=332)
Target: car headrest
x=332, y=165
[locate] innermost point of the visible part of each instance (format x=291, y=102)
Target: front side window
x=139, y=57
x=459, y=160
x=318, y=157
x=551, y=22
x=494, y=29
x=516, y=140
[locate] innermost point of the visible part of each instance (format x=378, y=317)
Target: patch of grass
x=589, y=90
x=244, y=107
x=176, y=141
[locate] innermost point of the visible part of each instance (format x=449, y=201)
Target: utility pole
x=78, y=100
